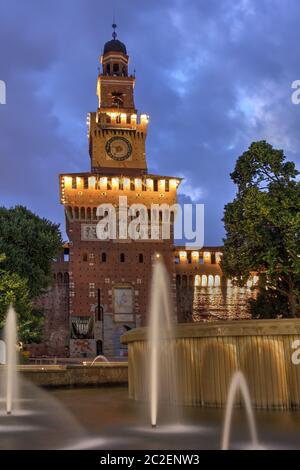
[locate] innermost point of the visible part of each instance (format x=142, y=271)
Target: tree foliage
x=262, y=227
x=29, y=244
x=14, y=290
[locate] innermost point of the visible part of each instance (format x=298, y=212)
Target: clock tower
x=110, y=279
x=117, y=134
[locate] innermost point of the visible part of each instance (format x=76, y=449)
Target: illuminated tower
x=110, y=279
x=116, y=134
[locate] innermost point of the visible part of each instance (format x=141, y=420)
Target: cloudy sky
x=214, y=75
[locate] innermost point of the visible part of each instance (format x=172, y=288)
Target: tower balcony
x=121, y=119
x=74, y=186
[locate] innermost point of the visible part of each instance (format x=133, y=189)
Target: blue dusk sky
x=214, y=75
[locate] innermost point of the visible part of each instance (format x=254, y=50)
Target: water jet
x=161, y=342
x=11, y=360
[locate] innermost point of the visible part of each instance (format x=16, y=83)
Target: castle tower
x=117, y=134
x=110, y=279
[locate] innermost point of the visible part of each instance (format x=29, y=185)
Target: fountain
x=160, y=339
x=11, y=360
x=104, y=359
x=238, y=383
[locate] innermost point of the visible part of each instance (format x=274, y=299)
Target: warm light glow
x=123, y=118
x=144, y=119
x=204, y=280
x=195, y=255
x=133, y=118
x=197, y=281
x=173, y=184
x=183, y=255
x=92, y=182
x=115, y=183
x=217, y=280
x=68, y=182
x=206, y=256
x=149, y=184
x=103, y=182
x=249, y=283
x=211, y=280
x=126, y=184
x=157, y=255
x=255, y=280
x=161, y=185
x=79, y=182
x=138, y=184
x=218, y=257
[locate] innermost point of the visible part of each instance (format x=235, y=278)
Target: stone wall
x=72, y=375
x=54, y=304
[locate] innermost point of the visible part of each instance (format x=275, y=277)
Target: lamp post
x=100, y=315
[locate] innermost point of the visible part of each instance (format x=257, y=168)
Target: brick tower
x=110, y=279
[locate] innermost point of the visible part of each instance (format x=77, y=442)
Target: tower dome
x=114, y=45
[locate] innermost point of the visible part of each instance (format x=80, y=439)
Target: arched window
x=103, y=257
x=141, y=258
x=84, y=257
x=122, y=258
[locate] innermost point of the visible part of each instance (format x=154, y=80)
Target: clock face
x=118, y=148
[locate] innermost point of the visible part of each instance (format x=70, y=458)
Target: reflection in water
x=221, y=303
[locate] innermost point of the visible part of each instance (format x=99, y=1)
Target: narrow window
x=103, y=257
x=122, y=258
x=141, y=258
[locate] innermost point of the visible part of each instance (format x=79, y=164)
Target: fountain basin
x=208, y=354
x=74, y=375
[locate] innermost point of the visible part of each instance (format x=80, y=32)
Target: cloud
x=214, y=76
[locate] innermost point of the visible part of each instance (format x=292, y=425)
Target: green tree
x=14, y=290
x=29, y=244
x=262, y=227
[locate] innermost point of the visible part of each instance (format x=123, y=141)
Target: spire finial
x=114, y=26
